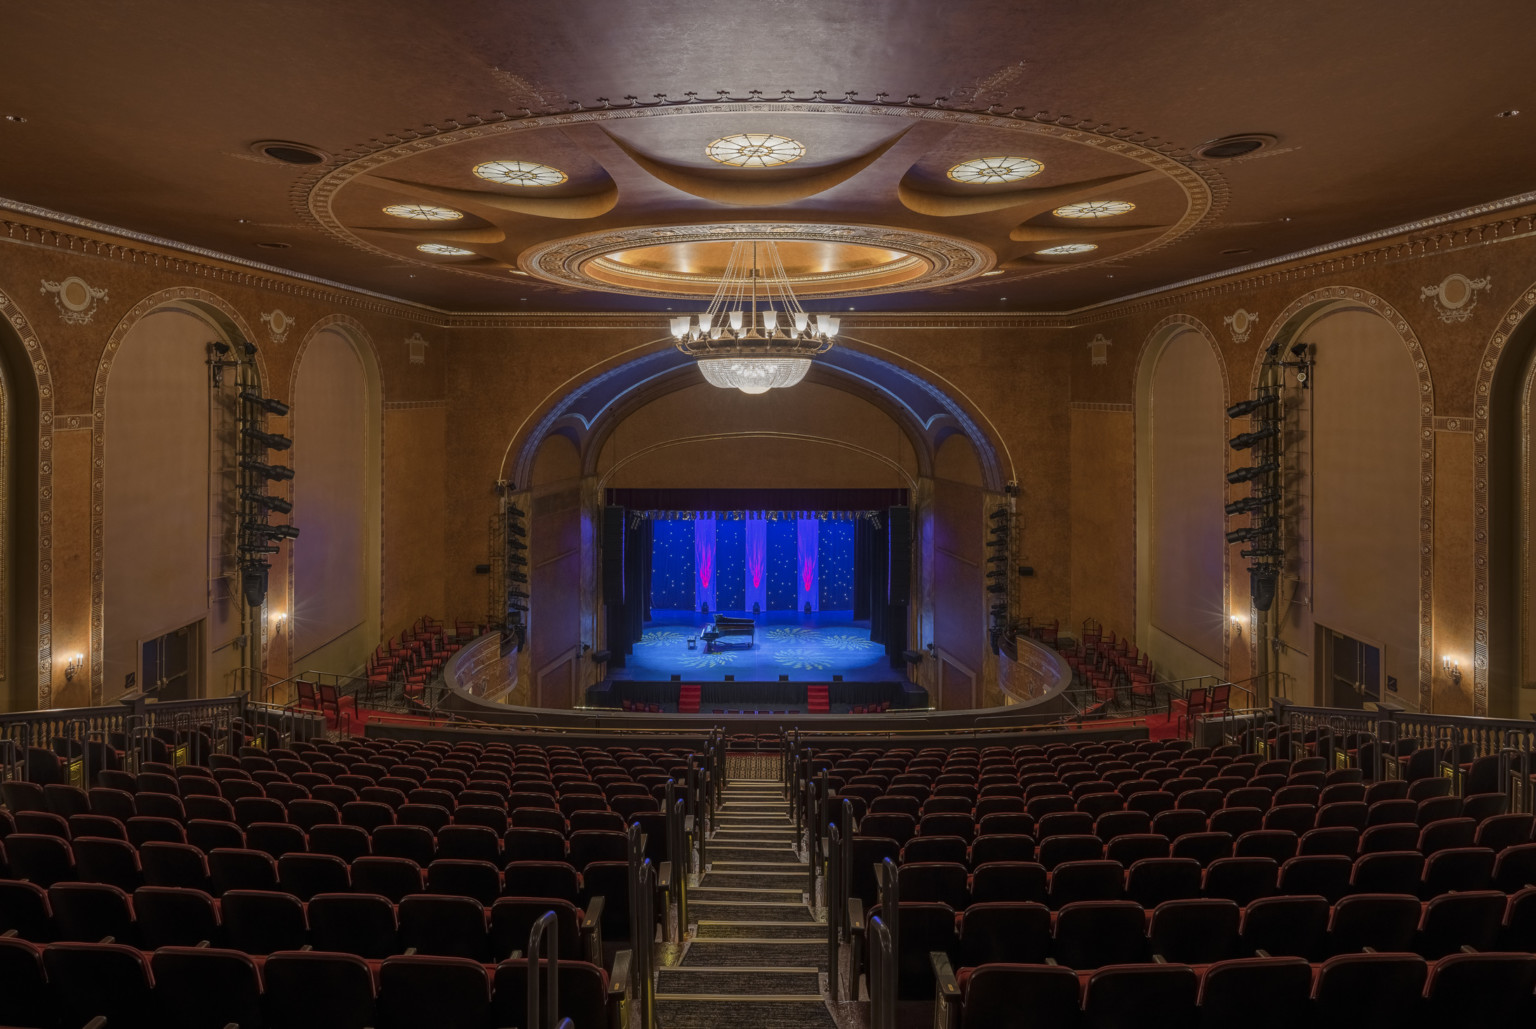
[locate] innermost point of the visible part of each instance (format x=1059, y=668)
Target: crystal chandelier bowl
x=754, y=374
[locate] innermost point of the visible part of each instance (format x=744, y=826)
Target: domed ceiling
x=985, y=155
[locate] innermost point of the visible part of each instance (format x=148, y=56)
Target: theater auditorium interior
x=818, y=514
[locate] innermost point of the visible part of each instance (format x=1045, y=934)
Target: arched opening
x=1510, y=671
x=336, y=421
x=1352, y=605
x=559, y=534
x=1181, y=459
x=952, y=539
x=18, y=523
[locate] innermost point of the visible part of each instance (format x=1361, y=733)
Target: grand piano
x=726, y=631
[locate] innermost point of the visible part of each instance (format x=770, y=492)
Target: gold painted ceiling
x=592, y=125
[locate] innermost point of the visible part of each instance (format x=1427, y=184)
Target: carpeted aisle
x=756, y=952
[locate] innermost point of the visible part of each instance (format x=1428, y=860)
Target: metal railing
x=885, y=951
x=545, y=929
x=642, y=927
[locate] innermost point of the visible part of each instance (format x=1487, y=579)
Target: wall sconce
x=1237, y=626
x=1452, y=668
x=278, y=621
x=75, y=664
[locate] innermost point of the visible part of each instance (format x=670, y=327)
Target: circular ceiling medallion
x=820, y=260
x=74, y=294
x=1456, y=290
x=1094, y=209
x=755, y=150
x=289, y=152
x=1228, y=147
x=983, y=171
x=1068, y=248
x=423, y=212
x=443, y=250
x=520, y=173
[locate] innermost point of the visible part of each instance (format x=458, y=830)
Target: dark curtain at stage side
x=637, y=580
x=862, y=536
x=874, y=586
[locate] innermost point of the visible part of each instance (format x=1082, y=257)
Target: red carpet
x=688, y=700
x=816, y=701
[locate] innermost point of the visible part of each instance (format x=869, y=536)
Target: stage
x=807, y=648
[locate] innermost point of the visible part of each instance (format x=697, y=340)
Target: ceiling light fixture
x=1094, y=209
x=443, y=250
x=1511, y=113
x=994, y=271
x=983, y=171
x=755, y=336
x=755, y=150
x=520, y=173
x=423, y=212
x=1067, y=248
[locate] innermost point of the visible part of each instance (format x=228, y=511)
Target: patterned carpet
x=802, y=647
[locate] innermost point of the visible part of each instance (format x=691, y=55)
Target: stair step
x=788, y=895
x=742, y=982
x=751, y=880
x=674, y=1012
x=808, y=931
x=757, y=867
x=755, y=855
x=756, y=953
x=748, y=910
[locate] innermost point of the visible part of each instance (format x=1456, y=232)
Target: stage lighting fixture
x=270, y=440
x=260, y=548
x=253, y=582
x=1298, y=349
x=277, y=472
x=1261, y=585
x=1244, y=440
x=1253, y=532
x=1247, y=407
x=1247, y=505
x=272, y=531
x=267, y=404
x=1263, y=552
x=277, y=504
x=1252, y=472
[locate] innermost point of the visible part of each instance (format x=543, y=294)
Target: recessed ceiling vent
x=288, y=152
x=1228, y=147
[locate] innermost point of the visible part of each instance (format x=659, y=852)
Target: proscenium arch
x=1290, y=324
x=30, y=411
x=1152, y=348
x=357, y=337
x=1497, y=558
x=614, y=385
x=224, y=323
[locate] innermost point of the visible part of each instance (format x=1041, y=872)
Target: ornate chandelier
x=755, y=336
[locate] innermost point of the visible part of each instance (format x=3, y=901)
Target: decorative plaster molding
x=1455, y=296
x=1241, y=323
x=75, y=298
x=1088, y=405
x=1098, y=349
x=278, y=324
x=1443, y=424
x=418, y=348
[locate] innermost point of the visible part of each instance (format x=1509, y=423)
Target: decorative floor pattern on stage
x=805, y=647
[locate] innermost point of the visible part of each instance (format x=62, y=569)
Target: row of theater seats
x=1460, y=991
x=1088, y=934
x=261, y=922
x=64, y=985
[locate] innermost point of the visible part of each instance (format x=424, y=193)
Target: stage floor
x=807, y=648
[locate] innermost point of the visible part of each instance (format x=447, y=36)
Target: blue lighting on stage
x=732, y=563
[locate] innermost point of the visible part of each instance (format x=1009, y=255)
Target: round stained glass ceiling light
x=443, y=250
x=520, y=173
x=423, y=212
x=755, y=150
x=1068, y=248
x=1094, y=209
x=754, y=374
x=984, y=171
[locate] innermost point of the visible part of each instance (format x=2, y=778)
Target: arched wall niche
x=26, y=526
x=1182, y=560
x=334, y=567
x=156, y=563
x=1360, y=478
x=1504, y=416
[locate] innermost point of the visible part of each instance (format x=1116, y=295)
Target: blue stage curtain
x=731, y=564
x=756, y=578
x=834, y=547
x=781, y=564
x=704, y=564
x=672, y=565
x=807, y=572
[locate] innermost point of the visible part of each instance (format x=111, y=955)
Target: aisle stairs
x=817, y=701
x=688, y=699
x=756, y=952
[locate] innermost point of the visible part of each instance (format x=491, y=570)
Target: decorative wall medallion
x=1455, y=296
x=418, y=348
x=1098, y=349
x=277, y=323
x=75, y=298
x=1241, y=322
